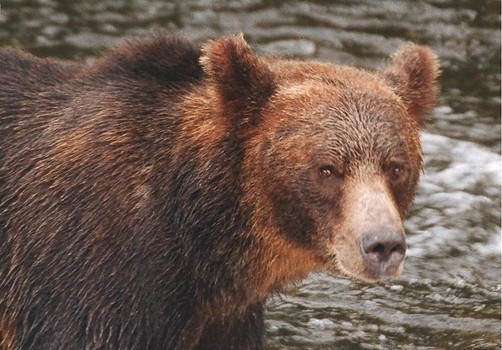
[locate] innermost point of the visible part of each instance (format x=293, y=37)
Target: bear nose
x=383, y=251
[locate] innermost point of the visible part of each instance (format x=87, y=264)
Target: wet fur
x=133, y=209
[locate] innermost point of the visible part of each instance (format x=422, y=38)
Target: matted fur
x=153, y=199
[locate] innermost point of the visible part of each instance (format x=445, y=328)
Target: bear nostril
x=379, y=249
x=399, y=248
x=383, y=250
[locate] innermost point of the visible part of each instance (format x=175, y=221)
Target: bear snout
x=383, y=251
x=370, y=245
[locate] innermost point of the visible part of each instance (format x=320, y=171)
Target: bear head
x=332, y=153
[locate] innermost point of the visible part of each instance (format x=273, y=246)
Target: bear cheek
x=369, y=243
x=293, y=219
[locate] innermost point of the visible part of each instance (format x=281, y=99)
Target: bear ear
x=412, y=73
x=242, y=81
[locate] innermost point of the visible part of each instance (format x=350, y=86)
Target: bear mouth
x=363, y=272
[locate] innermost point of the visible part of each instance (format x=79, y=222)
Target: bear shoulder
x=168, y=60
x=18, y=67
x=157, y=59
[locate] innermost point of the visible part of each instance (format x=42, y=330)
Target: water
x=449, y=295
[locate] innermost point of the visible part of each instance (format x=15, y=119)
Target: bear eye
x=325, y=172
x=328, y=171
x=396, y=171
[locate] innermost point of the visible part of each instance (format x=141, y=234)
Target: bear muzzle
x=370, y=243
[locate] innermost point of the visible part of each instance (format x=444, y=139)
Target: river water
x=449, y=295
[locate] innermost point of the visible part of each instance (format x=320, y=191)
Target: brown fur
x=156, y=197
x=6, y=335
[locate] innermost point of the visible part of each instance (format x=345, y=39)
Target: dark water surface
x=449, y=295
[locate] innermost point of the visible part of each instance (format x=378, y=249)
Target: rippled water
x=449, y=295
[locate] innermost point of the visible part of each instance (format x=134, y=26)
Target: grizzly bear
x=153, y=198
